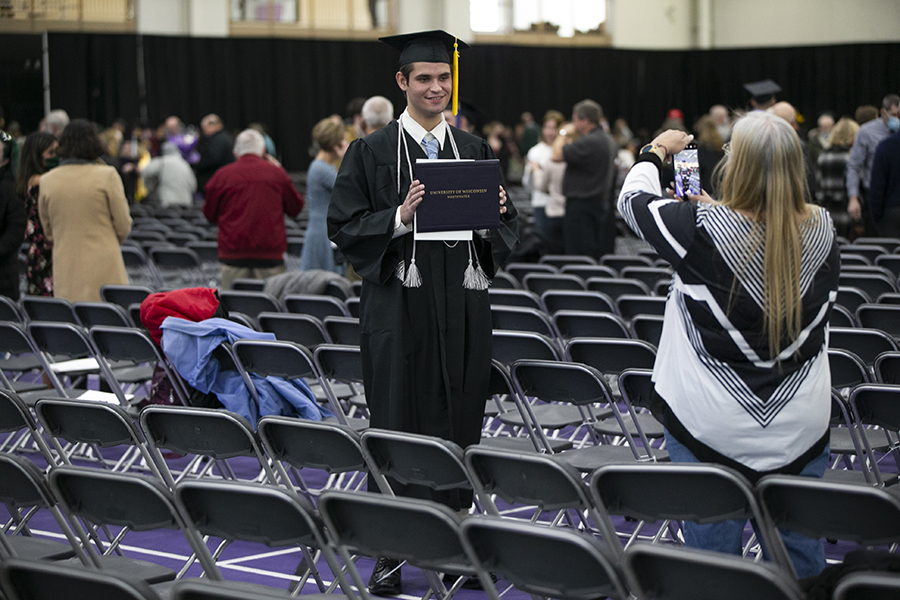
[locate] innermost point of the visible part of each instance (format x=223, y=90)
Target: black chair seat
x=593, y=457
x=554, y=416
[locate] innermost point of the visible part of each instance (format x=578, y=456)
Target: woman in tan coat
x=83, y=209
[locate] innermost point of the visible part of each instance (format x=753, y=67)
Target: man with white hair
x=55, y=122
x=248, y=199
x=377, y=112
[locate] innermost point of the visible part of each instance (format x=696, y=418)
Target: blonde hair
x=328, y=134
x=844, y=132
x=764, y=176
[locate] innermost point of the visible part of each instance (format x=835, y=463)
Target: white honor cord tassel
x=474, y=277
x=413, y=277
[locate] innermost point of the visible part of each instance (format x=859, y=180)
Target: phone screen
x=687, y=172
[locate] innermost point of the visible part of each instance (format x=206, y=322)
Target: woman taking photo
x=38, y=157
x=742, y=377
x=85, y=214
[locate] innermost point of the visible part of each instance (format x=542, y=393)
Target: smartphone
x=687, y=171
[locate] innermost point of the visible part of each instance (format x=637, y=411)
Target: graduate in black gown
x=425, y=314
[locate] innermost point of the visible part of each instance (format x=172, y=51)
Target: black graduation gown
x=426, y=351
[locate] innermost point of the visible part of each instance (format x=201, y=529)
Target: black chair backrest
x=36, y=580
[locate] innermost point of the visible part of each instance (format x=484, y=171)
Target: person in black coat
x=12, y=222
x=215, y=148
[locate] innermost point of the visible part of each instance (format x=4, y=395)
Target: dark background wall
x=290, y=84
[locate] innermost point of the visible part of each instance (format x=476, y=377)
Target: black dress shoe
x=385, y=579
x=472, y=583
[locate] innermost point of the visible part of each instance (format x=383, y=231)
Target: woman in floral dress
x=38, y=156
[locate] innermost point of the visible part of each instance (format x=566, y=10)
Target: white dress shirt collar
x=418, y=132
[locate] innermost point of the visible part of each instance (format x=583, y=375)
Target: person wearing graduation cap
x=762, y=93
x=425, y=314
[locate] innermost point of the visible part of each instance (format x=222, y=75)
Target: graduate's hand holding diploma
x=502, y=200
x=413, y=198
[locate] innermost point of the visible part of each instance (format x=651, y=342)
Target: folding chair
x=629, y=306
x=316, y=306
x=55, y=341
x=851, y=298
x=125, y=295
x=35, y=580
x=845, y=443
x=848, y=257
x=211, y=436
x=577, y=396
x=561, y=260
x=869, y=251
x=868, y=585
x=204, y=589
x=647, y=328
x=297, y=444
x=535, y=483
x=272, y=516
x=208, y=252
x=891, y=262
x=47, y=308
x=665, y=573
x=876, y=410
x=422, y=533
x=9, y=310
x=98, y=425
x=21, y=367
x=888, y=299
x=842, y=317
x=542, y=282
x=129, y=503
x=816, y=508
x=886, y=243
x=555, y=301
x=617, y=286
x=302, y=329
x=541, y=561
x=248, y=303
x=880, y=316
x=141, y=270
x=887, y=368
x=352, y=306
x=342, y=330
x=702, y=493
x=130, y=345
x=649, y=275
x=509, y=346
x=517, y=318
x=588, y=271
x=611, y=356
x=25, y=493
x=872, y=284
x=620, y=261
x=102, y=313
x=17, y=420
x=288, y=361
x=505, y=281
x=341, y=371
x=847, y=369
x=515, y=297
x=397, y=457
x=180, y=237
x=178, y=266
x=577, y=323
x=865, y=343
x=519, y=269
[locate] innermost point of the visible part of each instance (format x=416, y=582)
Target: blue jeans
x=807, y=554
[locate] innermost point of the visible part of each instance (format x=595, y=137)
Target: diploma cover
x=459, y=195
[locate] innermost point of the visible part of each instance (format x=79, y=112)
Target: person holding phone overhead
x=742, y=375
x=425, y=329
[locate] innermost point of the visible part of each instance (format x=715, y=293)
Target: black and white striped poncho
x=725, y=397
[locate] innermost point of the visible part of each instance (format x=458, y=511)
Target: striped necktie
x=431, y=146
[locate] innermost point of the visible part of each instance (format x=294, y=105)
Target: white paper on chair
x=98, y=396
x=77, y=365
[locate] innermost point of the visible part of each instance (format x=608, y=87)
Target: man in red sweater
x=248, y=200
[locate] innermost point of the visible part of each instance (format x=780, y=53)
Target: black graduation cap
x=762, y=90
x=424, y=46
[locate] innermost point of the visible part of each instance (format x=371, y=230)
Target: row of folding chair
x=535, y=557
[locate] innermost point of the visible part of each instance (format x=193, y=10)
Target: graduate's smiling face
x=427, y=88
